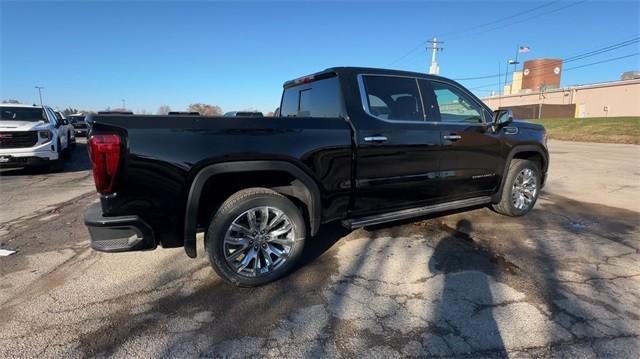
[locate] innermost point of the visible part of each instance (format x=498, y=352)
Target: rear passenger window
x=319, y=98
x=393, y=98
x=455, y=106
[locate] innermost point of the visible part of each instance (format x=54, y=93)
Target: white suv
x=32, y=136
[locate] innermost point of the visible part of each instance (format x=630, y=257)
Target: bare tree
x=163, y=110
x=205, y=110
x=10, y=100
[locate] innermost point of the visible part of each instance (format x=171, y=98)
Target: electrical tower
x=435, y=47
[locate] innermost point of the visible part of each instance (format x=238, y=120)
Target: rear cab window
x=316, y=98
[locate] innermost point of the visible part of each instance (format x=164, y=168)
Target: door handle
x=376, y=138
x=452, y=137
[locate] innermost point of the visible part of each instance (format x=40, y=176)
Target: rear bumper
x=118, y=234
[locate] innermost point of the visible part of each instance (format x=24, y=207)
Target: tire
x=242, y=258
x=510, y=204
x=56, y=165
x=66, y=153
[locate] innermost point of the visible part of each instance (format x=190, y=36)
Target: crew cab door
x=396, y=146
x=470, y=155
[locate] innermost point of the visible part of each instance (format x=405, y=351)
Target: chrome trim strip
x=414, y=212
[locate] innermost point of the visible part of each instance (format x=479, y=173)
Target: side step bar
x=414, y=212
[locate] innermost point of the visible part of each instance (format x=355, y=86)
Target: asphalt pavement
x=563, y=281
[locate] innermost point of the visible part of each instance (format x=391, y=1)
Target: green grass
x=605, y=130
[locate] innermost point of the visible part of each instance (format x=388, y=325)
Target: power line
x=568, y=59
x=507, y=24
x=603, y=61
x=569, y=68
x=502, y=18
x=496, y=21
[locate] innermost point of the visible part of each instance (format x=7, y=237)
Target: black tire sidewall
x=221, y=222
x=519, y=166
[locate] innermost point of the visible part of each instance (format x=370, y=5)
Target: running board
x=414, y=212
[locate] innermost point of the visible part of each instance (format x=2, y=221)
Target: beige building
x=607, y=99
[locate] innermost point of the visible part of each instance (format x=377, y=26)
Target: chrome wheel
x=525, y=189
x=259, y=241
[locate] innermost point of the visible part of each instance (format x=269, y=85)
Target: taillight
x=104, y=153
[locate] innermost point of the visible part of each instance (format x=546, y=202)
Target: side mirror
x=65, y=122
x=502, y=118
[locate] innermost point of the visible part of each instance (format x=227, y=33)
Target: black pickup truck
x=358, y=145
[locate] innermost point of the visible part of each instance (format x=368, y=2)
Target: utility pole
x=40, y=88
x=434, y=68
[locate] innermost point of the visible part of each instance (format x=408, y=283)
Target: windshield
x=22, y=114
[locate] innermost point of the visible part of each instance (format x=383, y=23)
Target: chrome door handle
x=375, y=139
x=452, y=137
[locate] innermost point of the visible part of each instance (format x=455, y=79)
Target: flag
x=524, y=49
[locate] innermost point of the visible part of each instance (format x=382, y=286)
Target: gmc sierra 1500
x=358, y=145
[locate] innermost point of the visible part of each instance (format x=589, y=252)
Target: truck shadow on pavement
x=469, y=283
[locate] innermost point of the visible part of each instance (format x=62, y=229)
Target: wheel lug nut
x=250, y=242
x=255, y=247
x=264, y=245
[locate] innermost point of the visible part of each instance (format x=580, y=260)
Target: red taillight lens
x=104, y=152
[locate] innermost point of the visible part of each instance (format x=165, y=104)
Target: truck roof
x=349, y=70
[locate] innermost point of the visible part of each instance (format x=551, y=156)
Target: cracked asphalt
x=563, y=281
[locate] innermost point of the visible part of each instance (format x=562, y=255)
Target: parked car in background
x=78, y=123
x=243, y=114
x=32, y=136
x=357, y=145
x=69, y=128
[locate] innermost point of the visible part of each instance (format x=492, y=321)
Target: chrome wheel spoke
x=251, y=217
x=266, y=254
x=277, y=252
x=246, y=260
x=286, y=228
x=275, y=221
x=235, y=254
x=264, y=218
x=256, y=263
x=282, y=241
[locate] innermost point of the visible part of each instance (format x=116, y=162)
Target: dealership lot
x=564, y=280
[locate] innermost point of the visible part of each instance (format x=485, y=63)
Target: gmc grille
x=18, y=139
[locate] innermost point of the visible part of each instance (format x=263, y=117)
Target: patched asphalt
x=563, y=281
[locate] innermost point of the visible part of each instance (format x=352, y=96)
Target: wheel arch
x=303, y=189
x=536, y=153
